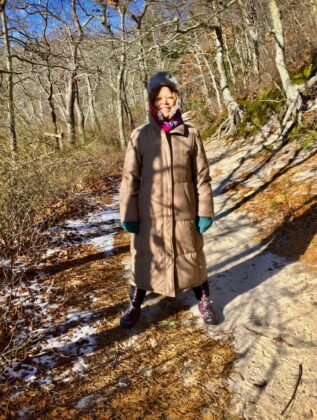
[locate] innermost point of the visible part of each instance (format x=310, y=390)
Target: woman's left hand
x=203, y=223
x=132, y=227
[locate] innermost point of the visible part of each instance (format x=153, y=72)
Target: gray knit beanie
x=160, y=79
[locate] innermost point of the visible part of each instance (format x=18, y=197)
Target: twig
x=116, y=357
x=299, y=377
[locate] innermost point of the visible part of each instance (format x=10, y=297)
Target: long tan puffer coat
x=165, y=186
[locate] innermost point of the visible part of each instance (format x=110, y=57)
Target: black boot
x=134, y=311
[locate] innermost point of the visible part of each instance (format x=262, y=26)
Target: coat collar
x=180, y=129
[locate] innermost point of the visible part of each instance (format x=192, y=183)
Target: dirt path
x=267, y=303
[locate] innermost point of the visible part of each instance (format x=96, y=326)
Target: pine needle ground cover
x=167, y=367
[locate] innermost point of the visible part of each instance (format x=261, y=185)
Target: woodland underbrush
x=40, y=187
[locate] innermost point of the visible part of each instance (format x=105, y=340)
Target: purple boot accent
x=130, y=317
x=207, y=311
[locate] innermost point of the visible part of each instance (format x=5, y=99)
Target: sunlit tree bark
x=9, y=68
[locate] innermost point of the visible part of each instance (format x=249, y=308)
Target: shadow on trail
x=60, y=267
x=105, y=339
x=289, y=240
x=292, y=163
x=261, y=312
x=221, y=187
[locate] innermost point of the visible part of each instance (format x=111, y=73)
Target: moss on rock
x=306, y=72
x=305, y=135
x=258, y=112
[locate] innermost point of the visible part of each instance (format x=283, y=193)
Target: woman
x=166, y=203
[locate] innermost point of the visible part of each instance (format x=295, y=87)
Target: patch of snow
x=83, y=401
x=46, y=360
x=76, y=341
x=121, y=384
x=34, y=298
x=21, y=371
x=80, y=366
x=88, y=347
x=47, y=380
x=99, y=228
x=104, y=242
x=26, y=412
x=79, y=316
x=51, y=251
x=56, y=228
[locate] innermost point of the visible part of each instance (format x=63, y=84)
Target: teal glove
x=203, y=223
x=132, y=227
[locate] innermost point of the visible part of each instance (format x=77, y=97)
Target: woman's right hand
x=132, y=227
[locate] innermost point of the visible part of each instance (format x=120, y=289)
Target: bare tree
x=249, y=16
x=119, y=40
x=292, y=91
x=50, y=89
x=203, y=78
x=9, y=68
x=142, y=57
x=235, y=114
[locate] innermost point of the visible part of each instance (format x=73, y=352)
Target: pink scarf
x=167, y=124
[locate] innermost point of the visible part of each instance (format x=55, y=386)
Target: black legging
x=137, y=295
x=198, y=290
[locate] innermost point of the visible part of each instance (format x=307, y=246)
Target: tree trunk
x=92, y=109
x=128, y=113
x=293, y=92
x=72, y=99
x=120, y=105
x=233, y=77
x=240, y=54
x=70, y=111
x=60, y=103
x=214, y=82
x=235, y=114
x=80, y=115
x=126, y=104
x=249, y=17
x=9, y=67
x=120, y=76
x=290, y=89
x=205, y=87
x=58, y=138
x=144, y=78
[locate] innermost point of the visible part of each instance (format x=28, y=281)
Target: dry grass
x=165, y=368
